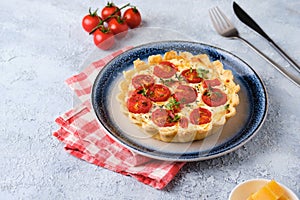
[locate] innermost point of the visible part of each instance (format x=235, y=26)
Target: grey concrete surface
x=42, y=44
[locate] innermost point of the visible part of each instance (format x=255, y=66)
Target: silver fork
x=225, y=28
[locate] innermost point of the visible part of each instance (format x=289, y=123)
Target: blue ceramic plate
x=239, y=129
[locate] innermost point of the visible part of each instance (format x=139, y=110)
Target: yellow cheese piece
x=271, y=191
x=264, y=194
x=283, y=198
x=249, y=198
x=276, y=189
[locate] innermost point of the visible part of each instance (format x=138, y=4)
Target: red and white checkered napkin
x=86, y=139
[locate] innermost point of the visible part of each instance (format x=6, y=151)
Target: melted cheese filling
x=186, y=61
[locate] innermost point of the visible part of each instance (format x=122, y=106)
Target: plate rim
x=164, y=158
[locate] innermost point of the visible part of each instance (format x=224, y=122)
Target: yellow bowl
x=243, y=190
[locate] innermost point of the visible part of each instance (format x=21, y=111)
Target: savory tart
x=179, y=97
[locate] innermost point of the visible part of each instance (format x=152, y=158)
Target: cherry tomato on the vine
x=132, y=17
x=104, y=38
x=110, y=25
x=109, y=10
x=90, y=21
x=118, y=26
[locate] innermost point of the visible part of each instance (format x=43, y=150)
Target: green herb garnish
x=202, y=73
x=179, y=77
x=166, y=81
x=226, y=106
x=142, y=91
x=172, y=103
x=176, y=118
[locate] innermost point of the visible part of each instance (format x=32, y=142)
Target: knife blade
x=246, y=19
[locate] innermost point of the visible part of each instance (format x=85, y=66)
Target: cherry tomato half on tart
x=132, y=17
x=185, y=94
x=164, y=69
x=109, y=10
x=191, y=76
x=158, y=93
x=211, y=83
x=214, y=97
x=142, y=81
x=200, y=116
x=90, y=21
x=164, y=118
x=138, y=103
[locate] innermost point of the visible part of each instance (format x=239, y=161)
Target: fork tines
x=219, y=20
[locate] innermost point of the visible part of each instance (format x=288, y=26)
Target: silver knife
x=246, y=19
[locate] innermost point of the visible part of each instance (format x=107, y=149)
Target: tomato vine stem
x=109, y=17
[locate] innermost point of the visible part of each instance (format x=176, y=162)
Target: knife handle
x=284, y=55
x=283, y=71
